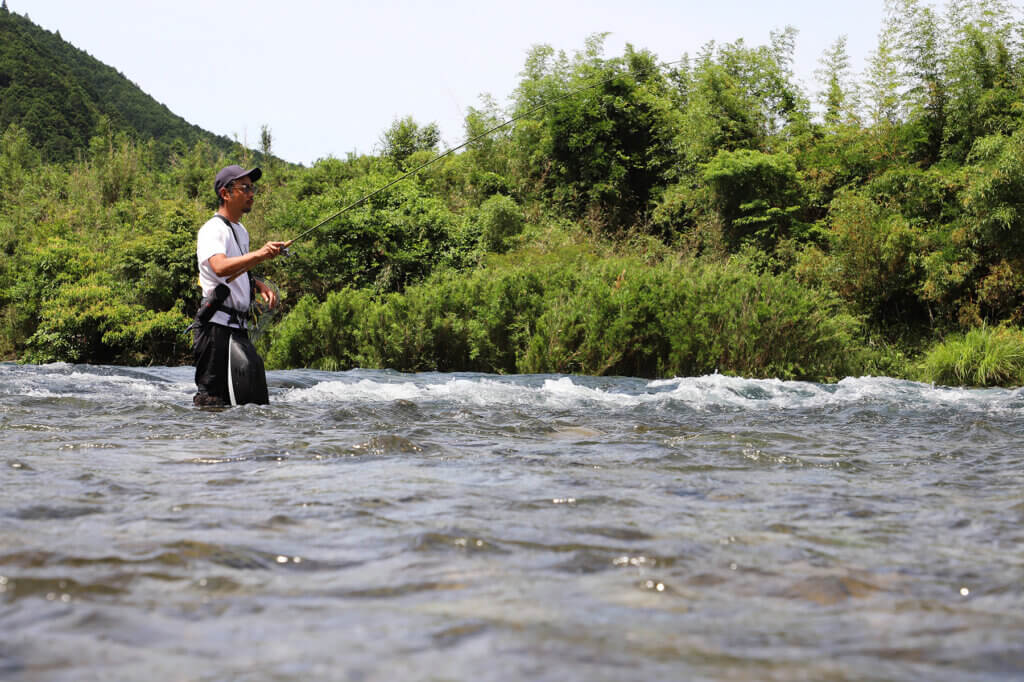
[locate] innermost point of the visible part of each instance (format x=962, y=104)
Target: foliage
x=386, y=242
x=17, y=158
x=405, y=137
x=579, y=313
x=605, y=138
x=739, y=97
x=158, y=262
x=756, y=195
x=36, y=275
x=993, y=195
x=467, y=323
x=986, y=356
x=839, y=96
x=875, y=254
x=500, y=220
x=637, y=218
x=86, y=322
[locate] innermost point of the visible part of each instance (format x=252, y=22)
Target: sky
x=328, y=78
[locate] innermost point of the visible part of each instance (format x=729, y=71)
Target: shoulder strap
x=252, y=288
x=232, y=228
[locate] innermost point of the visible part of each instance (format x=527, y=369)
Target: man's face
x=240, y=194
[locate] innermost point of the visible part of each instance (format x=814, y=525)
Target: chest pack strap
x=252, y=290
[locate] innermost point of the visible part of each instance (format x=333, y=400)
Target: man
x=222, y=250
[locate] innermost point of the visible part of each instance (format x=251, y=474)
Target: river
x=370, y=525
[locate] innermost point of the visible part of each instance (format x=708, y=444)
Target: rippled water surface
x=378, y=526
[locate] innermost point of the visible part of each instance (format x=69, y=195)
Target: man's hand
x=268, y=295
x=272, y=250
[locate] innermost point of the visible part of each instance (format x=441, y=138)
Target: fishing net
x=261, y=314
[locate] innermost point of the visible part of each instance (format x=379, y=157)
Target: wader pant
x=210, y=352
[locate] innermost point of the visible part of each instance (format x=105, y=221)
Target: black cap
x=229, y=174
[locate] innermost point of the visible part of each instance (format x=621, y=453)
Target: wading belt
x=215, y=302
x=238, y=317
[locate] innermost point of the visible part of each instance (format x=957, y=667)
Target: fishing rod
x=451, y=151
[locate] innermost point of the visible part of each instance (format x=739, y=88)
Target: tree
x=875, y=253
x=266, y=142
x=405, y=137
x=740, y=97
x=983, y=75
x=603, y=152
x=500, y=220
x=921, y=48
x=839, y=95
x=17, y=157
x=883, y=83
x=756, y=195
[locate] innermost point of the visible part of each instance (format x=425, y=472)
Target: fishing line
x=468, y=142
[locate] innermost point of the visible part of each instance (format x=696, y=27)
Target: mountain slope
x=58, y=93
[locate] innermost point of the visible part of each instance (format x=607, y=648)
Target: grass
x=987, y=356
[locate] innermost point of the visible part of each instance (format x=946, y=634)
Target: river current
x=370, y=525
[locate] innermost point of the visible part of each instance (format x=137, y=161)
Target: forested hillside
x=59, y=94
x=663, y=219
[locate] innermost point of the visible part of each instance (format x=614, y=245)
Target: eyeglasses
x=249, y=189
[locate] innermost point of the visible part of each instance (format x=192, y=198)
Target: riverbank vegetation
x=708, y=215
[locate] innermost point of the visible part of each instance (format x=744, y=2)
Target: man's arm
x=229, y=268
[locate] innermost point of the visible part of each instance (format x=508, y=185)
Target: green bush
x=602, y=154
x=469, y=323
x=85, y=322
x=393, y=239
x=875, y=260
x=757, y=196
x=692, y=318
x=500, y=219
x=987, y=356
x=575, y=313
x=17, y=158
x=158, y=261
x=993, y=193
x=37, y=273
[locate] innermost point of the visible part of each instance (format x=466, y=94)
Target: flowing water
x=370, y=525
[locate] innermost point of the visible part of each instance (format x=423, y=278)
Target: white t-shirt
x=215, y=237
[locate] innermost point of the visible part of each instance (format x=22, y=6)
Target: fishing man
x=222, y=251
